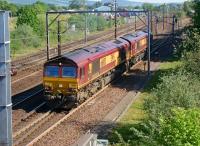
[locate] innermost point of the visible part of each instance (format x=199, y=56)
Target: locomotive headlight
x=48, y=84
x=60, y=85
x=72, y=85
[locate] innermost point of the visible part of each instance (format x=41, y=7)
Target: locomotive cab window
x=51, y=71
x=69, y=72
x=82, y=72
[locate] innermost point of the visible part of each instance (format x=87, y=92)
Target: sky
x=157, y=1
x=160, y=1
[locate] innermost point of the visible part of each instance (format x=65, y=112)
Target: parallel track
x=27, y=98
x=71, y=46
x=37, y=64
x=55, y=120
x=67, y=116
x=33, y=121
x=48, y=121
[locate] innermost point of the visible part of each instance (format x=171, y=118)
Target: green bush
x=196, y=15
x=178, y=89
x=101, y=23
x=191, y=43
x=189, y=49
x=24, y=37
x=28, y=15
x=4, y=5
x=78, y=20
x=92, y=22
x=181, y=129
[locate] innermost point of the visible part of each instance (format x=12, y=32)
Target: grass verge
x=136, y=113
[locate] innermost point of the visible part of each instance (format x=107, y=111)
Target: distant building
x=104, y=8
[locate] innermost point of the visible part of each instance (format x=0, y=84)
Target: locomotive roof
x=83, y=55
x=134, y=36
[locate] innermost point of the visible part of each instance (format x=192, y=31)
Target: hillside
x=65, y=3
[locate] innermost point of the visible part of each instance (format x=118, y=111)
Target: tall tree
x=187, y=7
x=77, y=4
x=147, y=6
x=27, y=15
x=196, y=16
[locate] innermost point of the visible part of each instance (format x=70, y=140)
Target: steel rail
x=30, y=113
x=73, y=111
x=27, y=98
x=43, y=59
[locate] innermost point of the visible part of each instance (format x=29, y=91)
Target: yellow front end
x=60, y=87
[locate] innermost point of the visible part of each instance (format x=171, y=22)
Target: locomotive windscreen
x=69, y=72
x=52, y=71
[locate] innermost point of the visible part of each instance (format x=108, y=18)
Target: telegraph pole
x=47, y=35
x=135, y=22
x=149, y=45
x=173, y=25
x=59, y=38
x=5, y=82
x=115, y=4
x=86, y=28
x=151, y=21
x=163, y=16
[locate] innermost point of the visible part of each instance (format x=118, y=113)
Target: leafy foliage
x=26, y=35
x=94, y=22
x=4, y=5
x=173, y=106
x=27, y=15
x=40, y=7
x=196, y=16
x=77, y=4
x=176, y=90
x=101, y=23
x=148, y=6
x=190, y=51
x=187, y=7
x=181, y=129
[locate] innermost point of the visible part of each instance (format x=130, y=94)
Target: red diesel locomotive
x=82, y=72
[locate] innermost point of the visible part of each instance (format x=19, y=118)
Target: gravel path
x=93, y=113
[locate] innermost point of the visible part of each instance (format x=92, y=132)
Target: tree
x=27, y=15
x=196, y=17
x=147, y=6
x=187, y=7
x=181, y=129
x=95, y=5
x=25, y=37
x=4, y=5
x=77, y=4
x=98, y=4
x=101, y=23
x=40, y=7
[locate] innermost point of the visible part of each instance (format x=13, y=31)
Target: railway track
x=52, y=119
x=41, y=123
x=34, y=120
x=71, y=46
x=25, y=98
x=155, y=45
x=29, y=114
x=35, y=69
